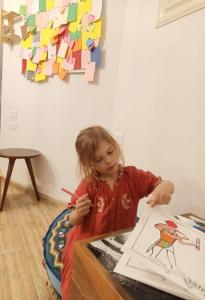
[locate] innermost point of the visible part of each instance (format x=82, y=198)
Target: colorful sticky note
x=90, y=71
x=95, y=56
x=22, y=10
x=37, y=57
x=27, y=43
x=24, y=32
x=45, y=37
x=77, y=56
x=31, y=20
x=55, y=68
x=72, y=12
x=85, y=58
x=63, y=49
x=96, y=9
x=30, y=75
x=77, y=45
x=43, y=55
x=63, y=74
x=42, y=5
x=40, y=77
x=49, y=4
x=31, y=66
x=97, y=31
x=75, y=35
x=49, y=68
x=23, y=67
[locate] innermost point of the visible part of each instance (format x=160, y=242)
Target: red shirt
x=112, y=210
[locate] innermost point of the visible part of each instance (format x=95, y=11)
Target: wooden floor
x=23, y=223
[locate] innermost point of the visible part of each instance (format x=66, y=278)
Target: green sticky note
x=32, y=28
x=42, y=5
x=31, y=20
x=75, y=36
x=72, y=12
x=22, y=10
x=34, y=51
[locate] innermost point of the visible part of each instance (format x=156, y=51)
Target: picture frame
x=171, y=10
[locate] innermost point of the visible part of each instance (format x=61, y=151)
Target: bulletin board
x=60, y=37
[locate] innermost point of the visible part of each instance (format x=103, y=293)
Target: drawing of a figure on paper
x=169, y=234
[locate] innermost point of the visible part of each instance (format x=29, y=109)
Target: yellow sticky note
x=31, y=66
x=97, y=31
x=44, y=55
x=59, y=61
x=40, y=77
x=46, y=36
x=42, y=66
x=27, y=43
x=49, y=4
x=83, y=7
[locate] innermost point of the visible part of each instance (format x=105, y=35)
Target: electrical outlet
x=13, y=125
x=13, y=114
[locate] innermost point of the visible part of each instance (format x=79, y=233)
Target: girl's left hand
x=161, y=194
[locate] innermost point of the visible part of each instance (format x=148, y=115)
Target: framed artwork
x=170, y=10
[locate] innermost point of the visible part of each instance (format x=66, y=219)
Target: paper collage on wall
x=167, y=254
x=60, y=37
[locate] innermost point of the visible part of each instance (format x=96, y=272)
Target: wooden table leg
x=29, y=165
x=8, y=176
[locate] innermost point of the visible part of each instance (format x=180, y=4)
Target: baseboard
x=29, y=190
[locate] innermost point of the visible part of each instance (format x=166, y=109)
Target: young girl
x=108, y=196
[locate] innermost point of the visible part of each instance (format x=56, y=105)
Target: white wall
x=151, y=87
x=159, y=100
x=51, y=114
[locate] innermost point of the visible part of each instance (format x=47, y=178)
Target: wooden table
x=91, y=280
x=18, y=153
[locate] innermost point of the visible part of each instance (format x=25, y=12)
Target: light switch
x=13, y=114
x=13, y=125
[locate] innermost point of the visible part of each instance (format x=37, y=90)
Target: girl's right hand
x=82, y=207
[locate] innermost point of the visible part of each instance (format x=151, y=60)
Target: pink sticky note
x=63, y=49
x=49, y=68
x=85, y=58
x=37, y=56
x=90, y=71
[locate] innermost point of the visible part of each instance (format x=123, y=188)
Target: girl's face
x=106, y=159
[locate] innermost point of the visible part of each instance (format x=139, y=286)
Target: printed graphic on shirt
x=125, y=201
x=100, y=204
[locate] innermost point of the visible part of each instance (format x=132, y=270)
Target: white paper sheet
x=183, y=264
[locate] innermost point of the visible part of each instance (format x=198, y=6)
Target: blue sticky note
x=89, y=42
x=95, y=56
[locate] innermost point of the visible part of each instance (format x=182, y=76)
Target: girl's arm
x=81, y=210
x=161, y=193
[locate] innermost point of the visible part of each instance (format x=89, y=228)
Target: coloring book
x=167, y=254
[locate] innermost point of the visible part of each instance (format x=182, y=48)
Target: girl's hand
x=161, y=194
x=81, y=210
x=82, y=207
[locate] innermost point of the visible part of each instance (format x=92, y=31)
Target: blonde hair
x=87, y=142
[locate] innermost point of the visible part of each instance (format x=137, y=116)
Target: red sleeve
x=144, y=181
x=81, y=190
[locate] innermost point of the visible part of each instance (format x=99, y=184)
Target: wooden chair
x=1, y=176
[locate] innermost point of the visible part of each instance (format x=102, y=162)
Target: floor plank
x=23, y=223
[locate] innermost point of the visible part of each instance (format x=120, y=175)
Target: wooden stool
x=18, y=153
